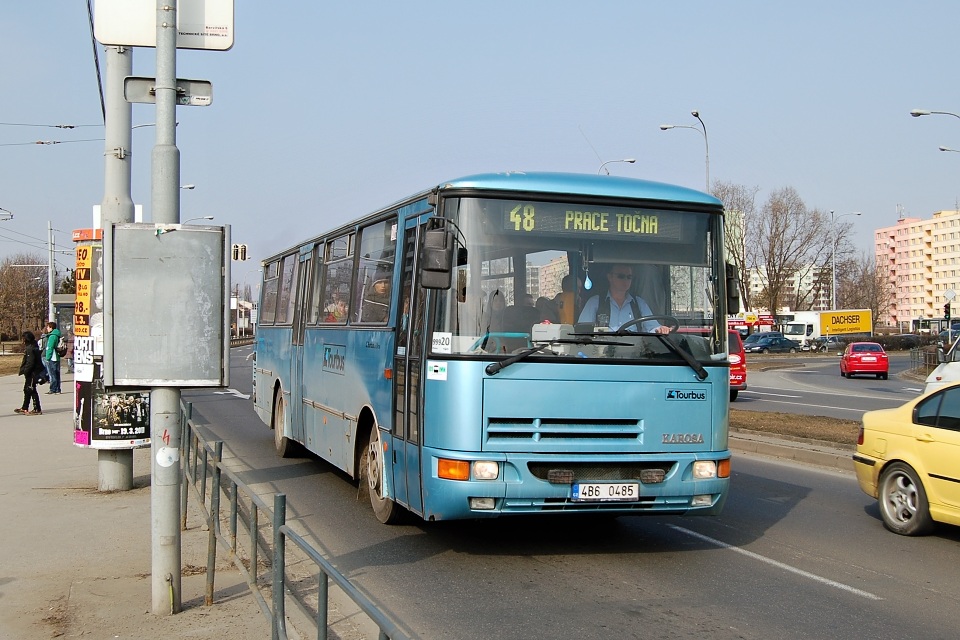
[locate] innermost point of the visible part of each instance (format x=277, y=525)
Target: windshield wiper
x=689, y=359
x=495, y=367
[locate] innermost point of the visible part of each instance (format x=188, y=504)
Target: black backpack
x=39, y=369
x=61, y=347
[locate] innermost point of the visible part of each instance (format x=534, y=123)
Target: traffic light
x=243, y=252
x=239, y=252
x=236, y=252
x=946, y=314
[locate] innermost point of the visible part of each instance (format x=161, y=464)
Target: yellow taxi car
x=908, y=458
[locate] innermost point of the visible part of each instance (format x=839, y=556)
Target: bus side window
x=271, y=283
x=336, y=286
x=316, y=293
x=378, y=246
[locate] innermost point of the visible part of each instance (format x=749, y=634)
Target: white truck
x=807, y=326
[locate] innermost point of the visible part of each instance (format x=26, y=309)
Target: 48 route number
x=522, y=217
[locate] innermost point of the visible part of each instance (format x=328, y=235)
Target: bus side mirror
x=733, y=289
x=436, y=265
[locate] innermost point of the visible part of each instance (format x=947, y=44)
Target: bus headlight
x=486, y=470
x=464, y=470
x=704, y=469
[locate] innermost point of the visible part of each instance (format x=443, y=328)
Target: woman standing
x=30, y=368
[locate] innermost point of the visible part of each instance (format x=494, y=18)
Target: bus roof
x=581, y=184
x=558, y=184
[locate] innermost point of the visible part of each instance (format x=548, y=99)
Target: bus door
x=300, y=313
x=408, y=363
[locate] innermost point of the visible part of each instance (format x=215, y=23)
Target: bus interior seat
x=519, y=319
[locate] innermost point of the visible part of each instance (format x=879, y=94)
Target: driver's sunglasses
x=623, y=276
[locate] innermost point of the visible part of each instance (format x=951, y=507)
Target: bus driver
x=619, y=306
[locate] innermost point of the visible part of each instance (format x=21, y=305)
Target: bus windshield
x=587, y=281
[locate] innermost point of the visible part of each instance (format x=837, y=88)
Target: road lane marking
x=778, y=395
x=779, y=565
x=234, y=392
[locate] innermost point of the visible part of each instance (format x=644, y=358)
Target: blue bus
x=511, y=343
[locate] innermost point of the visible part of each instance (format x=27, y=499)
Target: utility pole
x=51, y=273
x=115, y=466
x=165, y=401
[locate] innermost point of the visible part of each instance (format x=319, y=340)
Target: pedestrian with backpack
x=54, y=350
x=31, y=368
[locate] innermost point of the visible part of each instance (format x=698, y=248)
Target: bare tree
x=789, y=240
x=23, y=294
x=864, y=285
x=740, y=210
x=67, y=283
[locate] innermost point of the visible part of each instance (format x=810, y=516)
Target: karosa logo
x=682, y=394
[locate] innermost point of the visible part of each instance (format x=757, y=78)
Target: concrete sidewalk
x=77, y=562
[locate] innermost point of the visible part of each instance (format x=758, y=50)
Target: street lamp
x=943, y=148
x=199, y=218
x=916, y=113
x=702, y=129
x=627, y=160
x=5, y=215
x=188, y=186
x=833, y=254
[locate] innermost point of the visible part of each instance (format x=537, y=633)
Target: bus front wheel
x=281, y=443
x=372, y=466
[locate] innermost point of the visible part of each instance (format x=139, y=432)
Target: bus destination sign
x=564, y=219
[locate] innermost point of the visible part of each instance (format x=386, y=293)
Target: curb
x=808, y=452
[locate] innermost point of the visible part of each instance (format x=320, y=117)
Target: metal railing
x=923, y=360
x=204, y=474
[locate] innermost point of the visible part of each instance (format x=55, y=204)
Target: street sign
x=201, y=24
x=190, y=93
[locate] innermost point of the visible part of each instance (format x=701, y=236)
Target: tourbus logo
x=334, y=358
x=685, y=394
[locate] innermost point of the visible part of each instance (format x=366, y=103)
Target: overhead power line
x=47, y=142
x=53, y=126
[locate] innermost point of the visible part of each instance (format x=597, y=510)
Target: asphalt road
x=797, y=553
x=812, y=385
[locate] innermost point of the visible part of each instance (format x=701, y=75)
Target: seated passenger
x=493, y=315
x=376, y=304
x=565, y=301
x=548, y=310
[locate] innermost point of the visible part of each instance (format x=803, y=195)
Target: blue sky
x=325, y=111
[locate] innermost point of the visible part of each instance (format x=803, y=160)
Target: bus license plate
x=605, y=492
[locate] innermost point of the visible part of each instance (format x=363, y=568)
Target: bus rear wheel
x=372, y=468
x=283, y=445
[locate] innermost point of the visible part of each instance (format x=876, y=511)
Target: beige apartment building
x=921, y=259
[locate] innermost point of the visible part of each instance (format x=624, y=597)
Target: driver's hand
x=662, y=329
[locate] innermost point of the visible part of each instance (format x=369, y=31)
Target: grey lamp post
x=702, y=130
x=833, y=255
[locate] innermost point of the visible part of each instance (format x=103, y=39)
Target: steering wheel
x=671, y=322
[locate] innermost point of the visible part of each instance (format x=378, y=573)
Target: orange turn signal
x=453, y=469
x=723, y=468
